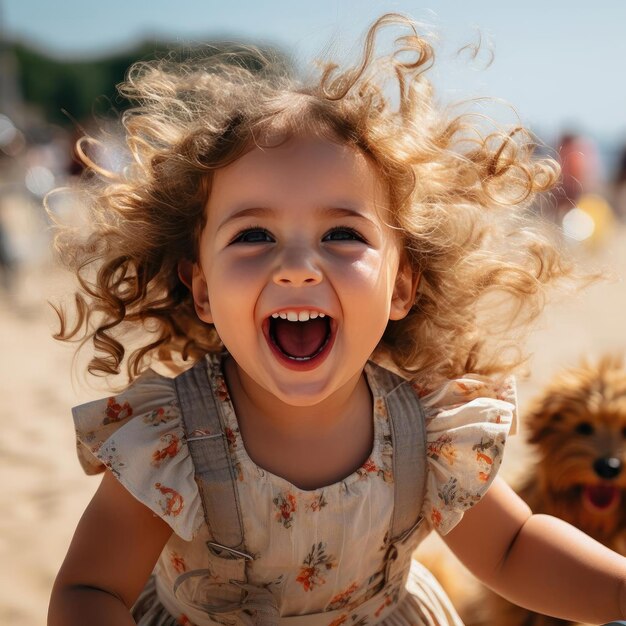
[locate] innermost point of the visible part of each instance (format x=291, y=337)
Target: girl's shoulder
x=139, y=435
x=468, y=420
x=471, y=399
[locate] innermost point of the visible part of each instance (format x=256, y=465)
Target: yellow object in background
x=590, y=221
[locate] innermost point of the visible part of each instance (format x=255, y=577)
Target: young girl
x=291, y=239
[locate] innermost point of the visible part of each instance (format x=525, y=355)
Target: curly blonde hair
x=460, y=197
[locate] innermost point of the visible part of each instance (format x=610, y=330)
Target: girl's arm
x=539, y=562
x=116, y=544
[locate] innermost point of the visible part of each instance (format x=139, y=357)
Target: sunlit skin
x=300, y=227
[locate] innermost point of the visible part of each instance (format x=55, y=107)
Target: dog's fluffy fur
x=578, y=429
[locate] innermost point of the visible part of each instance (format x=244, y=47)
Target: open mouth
x=601, y=498
x=301, y=339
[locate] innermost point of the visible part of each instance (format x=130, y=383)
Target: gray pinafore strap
x=408, y=435
x=205, y=432
x=208, y=447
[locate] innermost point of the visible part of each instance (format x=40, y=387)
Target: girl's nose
x=297, y=267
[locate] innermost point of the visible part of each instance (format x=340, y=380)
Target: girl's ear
x=404, y=291
x=192, y=277
x=185, y=269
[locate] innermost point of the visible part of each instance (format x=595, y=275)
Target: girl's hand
x=114, y=549
x=538, y=561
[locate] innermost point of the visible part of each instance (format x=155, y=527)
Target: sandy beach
x=45, y=489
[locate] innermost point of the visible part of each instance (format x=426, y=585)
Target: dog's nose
x=607, y=467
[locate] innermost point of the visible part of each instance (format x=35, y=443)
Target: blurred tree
x=87, y=88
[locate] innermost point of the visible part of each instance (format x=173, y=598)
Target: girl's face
x=298, y=232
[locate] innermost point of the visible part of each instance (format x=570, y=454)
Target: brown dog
x=578, y=429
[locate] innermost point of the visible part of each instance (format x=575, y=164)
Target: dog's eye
x=624, y=432
x=584, y=428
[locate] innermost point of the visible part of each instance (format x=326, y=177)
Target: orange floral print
x=231, y=437
x=370, y=466
x=483, y=476
x=238, y=471
x=115, y=411
x=421, y=390
x=389, y=598
x=435, y=517
x=470, y=390
x=379, y=610
x=317, y=503
x=96, y=447
x=343, y=618
x=315, y=562
x=178, y=562
x=158, y=416
x=442, y=447
x=222, y=390
x=486, y=461
x=171, y=448
x=506, y=392
x=342, y=599
x=173, y=504
x=305, y=578
x=286, y=505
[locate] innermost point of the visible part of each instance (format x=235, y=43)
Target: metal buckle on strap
x=245, y=555
x=199, y=437
x=392, y=554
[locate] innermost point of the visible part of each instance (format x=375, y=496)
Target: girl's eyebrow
x=330, y=211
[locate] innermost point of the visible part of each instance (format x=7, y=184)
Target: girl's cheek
x=369, y=269
x=243, y=268
x=367, y=266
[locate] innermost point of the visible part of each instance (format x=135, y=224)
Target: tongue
x=300, y=339
x=601, y=496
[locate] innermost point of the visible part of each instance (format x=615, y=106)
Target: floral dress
x=317, y=552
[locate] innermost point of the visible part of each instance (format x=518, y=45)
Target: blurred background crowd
x=558, y=62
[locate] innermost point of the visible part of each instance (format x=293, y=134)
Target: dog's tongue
x=300, y=339
x=601, y=497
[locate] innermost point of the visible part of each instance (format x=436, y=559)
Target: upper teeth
x=298, y=316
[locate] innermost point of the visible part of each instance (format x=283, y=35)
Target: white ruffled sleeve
x=467, y=423
x=139, y=436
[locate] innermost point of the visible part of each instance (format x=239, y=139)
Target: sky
x=558, y=62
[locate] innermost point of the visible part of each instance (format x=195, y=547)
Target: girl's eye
x=343, y=233
x=253, y=235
